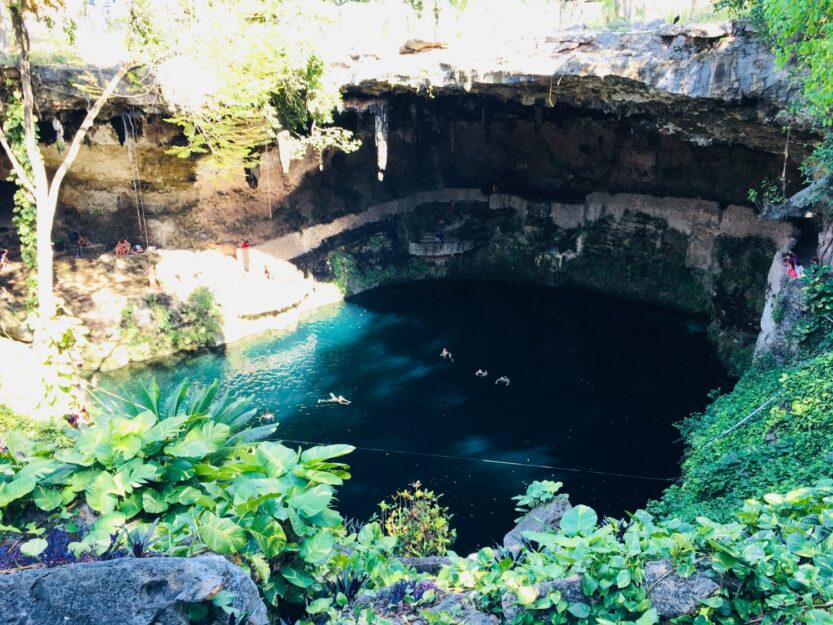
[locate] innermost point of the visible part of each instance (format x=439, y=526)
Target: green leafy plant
x=787, y=443
x=24, y=207
x=772, y=562
x=537, y=493
x=198, y=469
x=418, y=522
x=769, y=194
x=817, y=326
x=194, y=324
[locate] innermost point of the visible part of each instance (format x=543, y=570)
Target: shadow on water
x=596, y=385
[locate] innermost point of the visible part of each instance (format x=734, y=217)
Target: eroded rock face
x=541, y=519
x=672, y=595
x=387, y=604
x=150, y=591
x=569, y=587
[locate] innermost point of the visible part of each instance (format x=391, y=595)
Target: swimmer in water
x=502, y=380
x=481, y=374
x=446, y=354
x=333, y=399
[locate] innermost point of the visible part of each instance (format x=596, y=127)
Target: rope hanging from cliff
x=133, y=159
x=423, y=454
x=746, y=418
x=268, y=178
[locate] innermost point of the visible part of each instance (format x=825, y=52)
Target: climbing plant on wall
x=24, y=206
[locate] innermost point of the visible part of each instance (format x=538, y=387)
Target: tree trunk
x=45, y=213
x=825, y=250
x=45, y=192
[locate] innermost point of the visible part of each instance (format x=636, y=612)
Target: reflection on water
x=596, y=385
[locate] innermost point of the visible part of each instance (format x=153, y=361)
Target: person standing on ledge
x=244, y=253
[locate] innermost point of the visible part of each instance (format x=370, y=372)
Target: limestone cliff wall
x=613, y=161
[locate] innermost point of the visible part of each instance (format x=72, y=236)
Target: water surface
x=596, y=385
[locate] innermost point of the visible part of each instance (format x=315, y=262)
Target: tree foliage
x=800, y=33
x=238, y=72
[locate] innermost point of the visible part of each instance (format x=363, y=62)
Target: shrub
x=537, y=494
x=773, y=561
x=195, y=324
x=418, y=522
x=195, y=467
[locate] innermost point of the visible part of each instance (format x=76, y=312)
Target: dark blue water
x=596, y=384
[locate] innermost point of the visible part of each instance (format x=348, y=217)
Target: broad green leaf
x=296, y=577
x=623, y=579
x=17, y=488
x=110, y=523
x=165, y=429
x=33, y=548
x=712, y=602
x=819, y=617
x=100, y=493
x=221, y=535
x=125, y=447
x=320, y=477
x=188, y=449
x=153, y=502
x=275, y=458
x=579, y=610
x=527, y=595
x=649, y=618
x=325, y=452
x=317, y=548
x=47, y=499
x=311, y=502
x=579, y=520
x=319, y=606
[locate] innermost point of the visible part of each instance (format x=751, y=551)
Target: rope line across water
x=426, y=454
x=490, y=461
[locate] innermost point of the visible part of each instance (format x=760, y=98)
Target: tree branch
x=22, y=178
x=89, y=120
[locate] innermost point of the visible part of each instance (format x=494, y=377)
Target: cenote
x=597, y=384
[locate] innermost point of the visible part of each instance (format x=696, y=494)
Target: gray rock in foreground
x=569, y=587
x=460, y=607
x=131, y=591
x=541, y=519
x=429, y=564
x=671, y=595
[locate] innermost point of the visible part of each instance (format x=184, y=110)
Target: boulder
x=541, y=519
x=672, y=595
x=131, y=591
x=386, y=605
x=569, y=587
x=430, y=564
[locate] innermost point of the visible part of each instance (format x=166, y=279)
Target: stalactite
x=414, y=122
x=284, y=150
x=382, y=128
x=451, y=136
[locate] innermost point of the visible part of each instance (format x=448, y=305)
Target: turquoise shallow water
x=596, y=384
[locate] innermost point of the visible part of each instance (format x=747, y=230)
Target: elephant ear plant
x=197, y=469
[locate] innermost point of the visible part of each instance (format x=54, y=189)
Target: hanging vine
x=24, y=217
